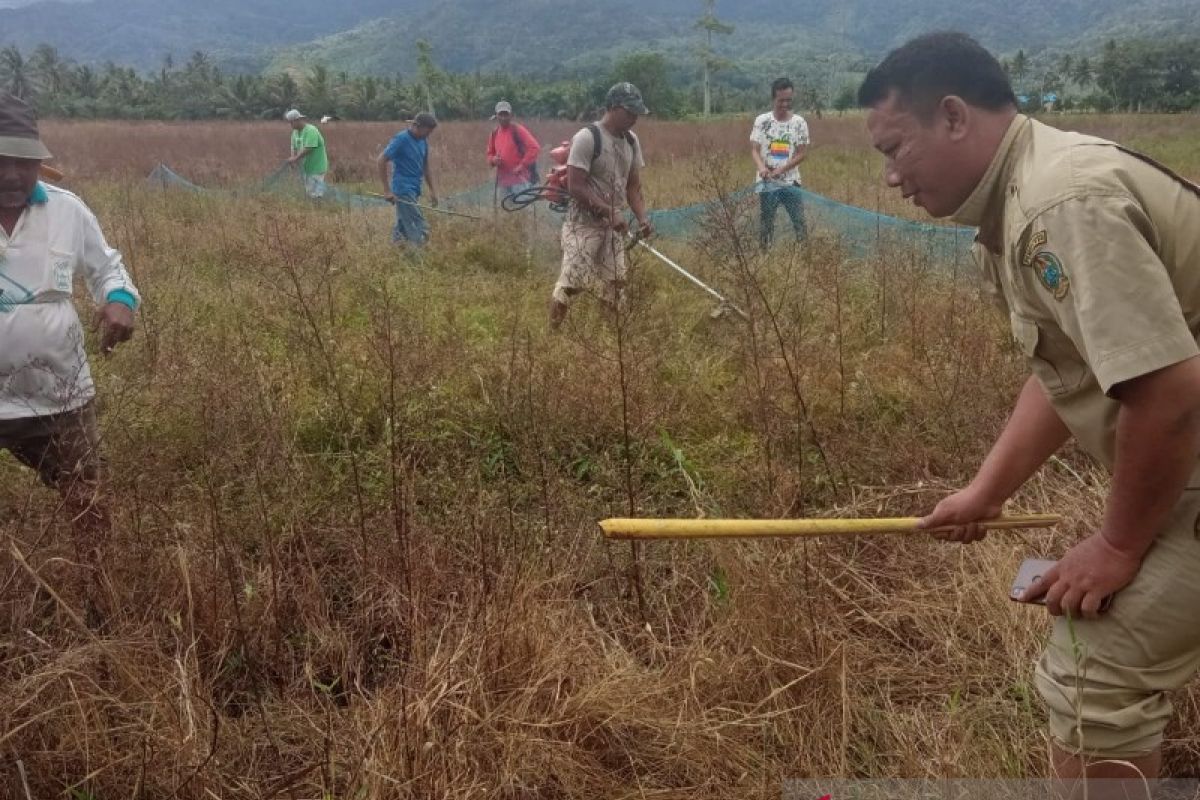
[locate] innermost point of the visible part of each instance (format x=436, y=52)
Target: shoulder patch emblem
x=1047, y=266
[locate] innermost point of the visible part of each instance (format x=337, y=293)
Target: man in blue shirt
x=408, y=153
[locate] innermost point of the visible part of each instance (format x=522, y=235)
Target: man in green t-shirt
x=308, y=150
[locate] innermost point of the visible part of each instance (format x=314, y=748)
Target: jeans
x=410, y=223
x=792, y=200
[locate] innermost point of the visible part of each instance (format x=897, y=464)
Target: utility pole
x=710, y=25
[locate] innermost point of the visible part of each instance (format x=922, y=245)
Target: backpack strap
x=517, y=140
x=597, y=139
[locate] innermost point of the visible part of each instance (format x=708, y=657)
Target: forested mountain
x=534, y=36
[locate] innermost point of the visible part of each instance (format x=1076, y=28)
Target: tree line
x=1132, y=75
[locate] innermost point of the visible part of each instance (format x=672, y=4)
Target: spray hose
x=556, y=197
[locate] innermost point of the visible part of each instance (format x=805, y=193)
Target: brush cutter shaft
x=720, y=297
x=681, y=270
x=761, y=528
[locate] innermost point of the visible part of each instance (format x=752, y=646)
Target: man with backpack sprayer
x=603, y=178
x=513, y=152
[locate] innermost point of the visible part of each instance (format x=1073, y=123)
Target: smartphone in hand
x=1032, y=569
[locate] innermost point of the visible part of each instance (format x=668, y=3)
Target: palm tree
x=15, y=75
x=1065, y=63
x=238, y=98
x=85, y=83
x=277, y=94
x=121, y=86
x=200, y=64
x=1083, y=74
x=432, y=78
x=1019, y=66
x=49, y=69
x=363, y=97
x=318, y=91
x=463, y=96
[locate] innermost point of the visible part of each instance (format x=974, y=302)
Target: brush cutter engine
x=553, y=191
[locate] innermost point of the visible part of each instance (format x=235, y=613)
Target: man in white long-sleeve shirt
x=47, y=414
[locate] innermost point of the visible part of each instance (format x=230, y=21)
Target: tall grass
x=356, y=552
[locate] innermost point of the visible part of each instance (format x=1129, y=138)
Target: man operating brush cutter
x=556, y=192
x=603, y=177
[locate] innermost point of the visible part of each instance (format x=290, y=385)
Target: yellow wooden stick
x=760, y=528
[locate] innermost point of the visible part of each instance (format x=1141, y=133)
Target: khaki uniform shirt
x=1094, y=252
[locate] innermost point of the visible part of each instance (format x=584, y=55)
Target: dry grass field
x=356, y=552
x=842, y=164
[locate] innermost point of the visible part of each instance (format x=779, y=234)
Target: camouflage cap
x=627, y=96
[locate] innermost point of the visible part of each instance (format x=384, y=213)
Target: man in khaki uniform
x=1094, y=253
x=603, y=178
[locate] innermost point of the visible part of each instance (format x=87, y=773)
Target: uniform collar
x=981, y=209
x=39, y=196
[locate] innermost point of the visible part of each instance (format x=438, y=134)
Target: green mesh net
x=862, y=232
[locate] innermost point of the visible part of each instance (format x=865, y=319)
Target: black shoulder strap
x=517, y=140
x=596, y=140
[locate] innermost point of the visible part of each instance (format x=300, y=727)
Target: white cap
x=502, y=106
x=293, y=115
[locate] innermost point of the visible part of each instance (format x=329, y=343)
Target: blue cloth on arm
x=123, y=297
x=408, y=156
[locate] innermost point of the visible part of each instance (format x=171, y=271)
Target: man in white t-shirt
x=779, y=142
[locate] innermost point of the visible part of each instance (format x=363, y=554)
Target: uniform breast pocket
x=62, y=270
x=1051, y=355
